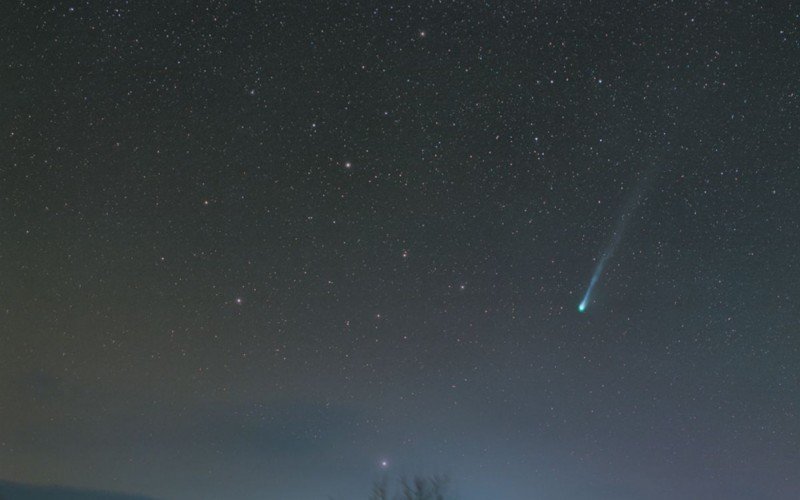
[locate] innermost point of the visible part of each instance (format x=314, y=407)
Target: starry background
x=255, y=249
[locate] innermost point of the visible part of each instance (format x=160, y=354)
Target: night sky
x=278, y=249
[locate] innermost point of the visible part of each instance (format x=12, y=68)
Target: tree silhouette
x=419, y=488
x=380, y=490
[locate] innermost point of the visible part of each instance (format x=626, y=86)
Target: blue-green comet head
x=582, y=306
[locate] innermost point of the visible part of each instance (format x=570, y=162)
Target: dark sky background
x=251, y=250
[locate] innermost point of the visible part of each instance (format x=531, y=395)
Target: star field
x=273, y=249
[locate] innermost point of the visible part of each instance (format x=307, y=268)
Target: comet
x=616, y=237
x=598, y=271
x=588, y=294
